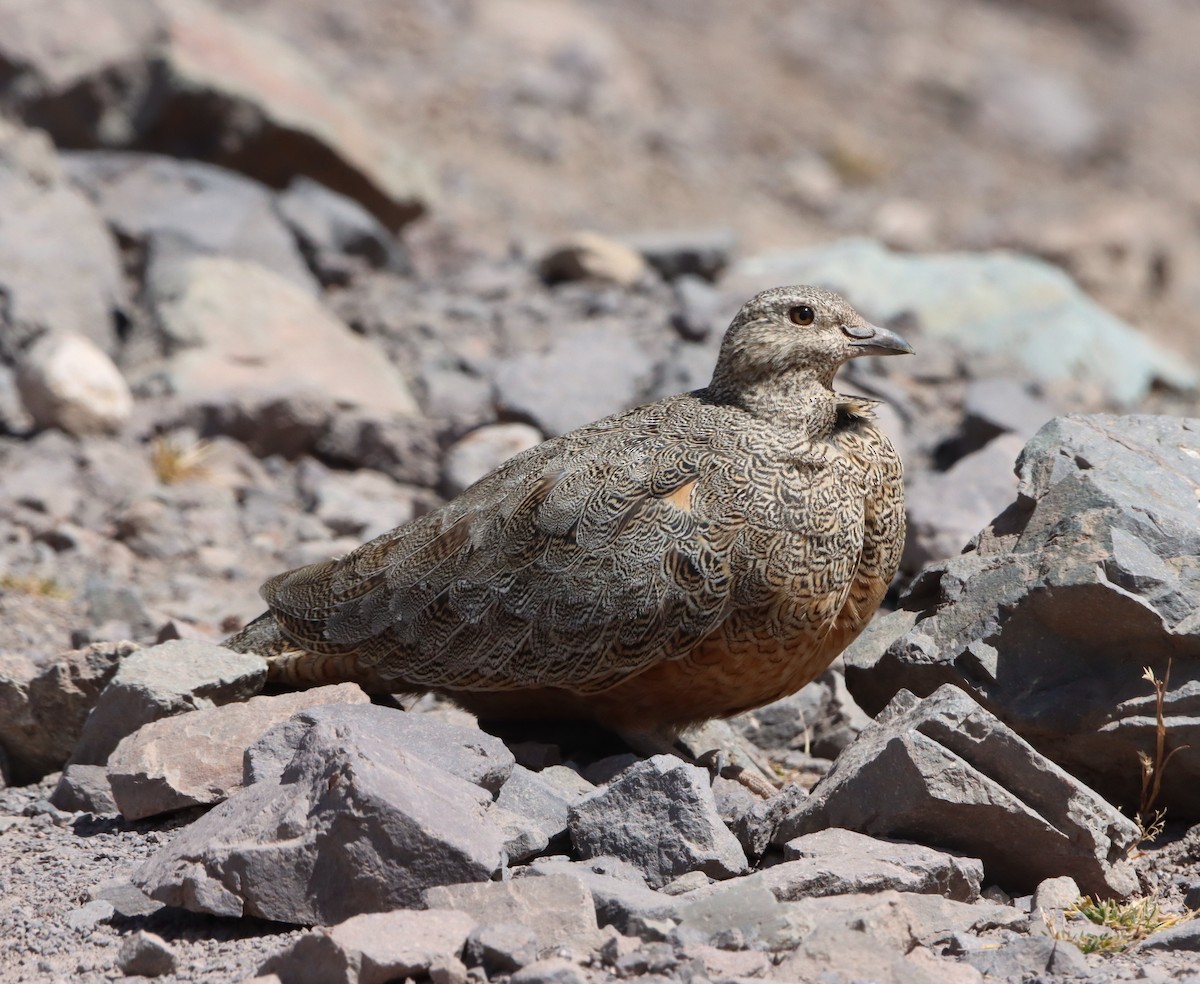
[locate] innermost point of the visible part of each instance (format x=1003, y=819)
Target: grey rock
x=1000, y=405
x=946, y=509
x=552, y=970
x=660, y=816
x=752, y=819
x=195, y=759
x=399, y=445
x=699, y=308
x=127, y=901
x=876, y=864
x=501, y=948
x=523, y=837
x=1030, y=955
x=89, y=915
x=187, y=80
x=619, y=893
x=43, y=710
x=67, y=381
x=357, y=824
x=468, y=753
x=1182, y=936
x=84, y=789
x=474, y=455
x=1000, y=310
x=970, y=784
x=744, y=913
x=699, y=253
x=335, y=231
x=172, y=678
x=59, y=268
x=361, y=504
x=583, y=376
x=373, y=948
x=544, y=803
x=152, y=200
x=558, y=908
x=1055, y=893
x=1090, y=576
x=876, y=937
x=233, y=330
x=146, y=954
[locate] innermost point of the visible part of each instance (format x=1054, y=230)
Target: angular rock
x=1182, y=936
x=59, y=269
x=471, y=457
x=42, y=711
x=945, y=768
x=162, y=203
x=360, y=504
x=84, y=789
x=552, y=970
x=146, y=954
x=501, y=948
x=67, y=381
x=591, y=256
x=852, y=857
x=1000, y=405
x=583, y=376
x=661, y=817
x=1090, y=576
x=945, y=509
x=188, y=80
x=1019, y=959
x=619, y=893
x=357, y=824
x=171, y=678
x=523, y=838
x=336, y=232
x=234, y=328
x=196, y=759
x=558, y=908
x=752, y=819
x=468, y=753
x=373, y=948
x=544, y=803
x=879, y=937
x=998, y=309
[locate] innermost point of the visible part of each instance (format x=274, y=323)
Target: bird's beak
x=869, y=339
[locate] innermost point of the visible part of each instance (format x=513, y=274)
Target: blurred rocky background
x=278, y=276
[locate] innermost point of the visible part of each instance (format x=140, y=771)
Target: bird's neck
x=799, y=401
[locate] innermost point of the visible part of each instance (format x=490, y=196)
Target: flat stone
x=558, y=908
x=373, y=948
x=357, y=824
x=196, y=759
x=946, y=767
x=501, y=948
x=660, y=816
x=234, y=328
x=619, y=893
x=171, y=678
x=1032, y=955
x=470, y=754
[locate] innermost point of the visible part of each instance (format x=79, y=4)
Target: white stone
x=67, y=381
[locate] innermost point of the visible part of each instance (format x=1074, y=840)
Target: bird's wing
x=574, y=565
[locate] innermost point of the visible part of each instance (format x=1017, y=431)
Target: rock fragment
x=67, y=381
x=945, y=767
x=661, y=817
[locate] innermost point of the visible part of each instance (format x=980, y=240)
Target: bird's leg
x=714, y=746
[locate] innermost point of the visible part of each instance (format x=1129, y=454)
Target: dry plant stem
x=1152, y=771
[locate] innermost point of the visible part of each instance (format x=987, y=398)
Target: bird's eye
x=802, y=315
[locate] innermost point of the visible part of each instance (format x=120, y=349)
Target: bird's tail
x=292, y=666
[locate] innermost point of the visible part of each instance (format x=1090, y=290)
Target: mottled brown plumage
x=684, y=560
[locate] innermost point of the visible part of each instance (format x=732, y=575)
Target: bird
x=689, y=559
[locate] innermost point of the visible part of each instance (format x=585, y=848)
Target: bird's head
x=790, y=332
